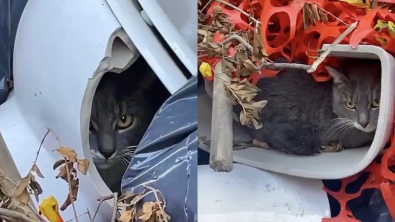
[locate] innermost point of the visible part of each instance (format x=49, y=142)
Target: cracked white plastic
x=328, y=165
x=62, y=49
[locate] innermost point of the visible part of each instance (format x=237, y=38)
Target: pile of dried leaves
x=239, y=65
x=14, y=197
x=132, y=209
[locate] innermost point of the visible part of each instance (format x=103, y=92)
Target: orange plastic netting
x=284, y=36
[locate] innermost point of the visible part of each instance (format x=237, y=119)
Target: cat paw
x=260, y=144
x=332, y=147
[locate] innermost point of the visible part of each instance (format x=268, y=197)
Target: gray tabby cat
x=306, y=117
x=121, y=113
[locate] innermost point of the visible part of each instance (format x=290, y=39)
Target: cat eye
x=375, y=103
x=350, y=105
x=125, y=121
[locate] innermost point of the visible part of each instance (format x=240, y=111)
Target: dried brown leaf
x=245, y=72
x=148, y=209
x=217, y=9
x=161, y=215
x=256, y=124
x=35, y=187
x=305, y=15
x=83, y=165
x=314, y=12
x=22, y=185
x=251, y=87
x=310, y=14
x=62, y=172
x=68, y=153
x=250, y=65
x=243, y=118
x=37, y=170
x=247, y=96
x=255, y=113
x=258, y=48
x=74, y=190
x=259, y=105
x=58, y=163
x=126, y=216
x=24, y=197
x=323, y=15
x=241, y=56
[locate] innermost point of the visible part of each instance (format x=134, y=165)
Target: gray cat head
x=120, y=115
x=356, y=95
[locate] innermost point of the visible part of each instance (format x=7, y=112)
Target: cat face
x=356, y=96
x=117, y=125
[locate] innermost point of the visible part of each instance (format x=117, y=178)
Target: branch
x=41, y=144
x=14, y=215
x=115, y=207
x=322, y=57
x=265, y=64
x=308, y=68
x=102, y=199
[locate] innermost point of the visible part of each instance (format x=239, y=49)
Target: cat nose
x=363, y=120
x=107, y=154
x=363, y=123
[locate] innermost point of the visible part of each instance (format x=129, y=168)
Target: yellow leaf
x=391, y=29
x=205, y=69
x=380, y=25
x=381, y=40
x=83, y=166
x=358, y=3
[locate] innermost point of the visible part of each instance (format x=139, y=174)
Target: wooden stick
x=221, y=156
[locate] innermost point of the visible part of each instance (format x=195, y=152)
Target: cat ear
x=338, y=77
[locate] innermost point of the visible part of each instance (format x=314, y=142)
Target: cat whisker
x=127, y=153
x=341, y=124
x=129, y=147
x=126, y=162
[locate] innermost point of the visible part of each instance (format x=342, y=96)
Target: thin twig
x=101, y=199
x=41, y=144
x=265, y=64
x=15, y=215
x=79, y=216
x=207, y=4
x=239, y=10
x=322, y=57
x=115, y=207
x=158, y=200
x=89, y=215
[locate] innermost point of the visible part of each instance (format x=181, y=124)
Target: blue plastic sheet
x=10, y=14
x=166, y=158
